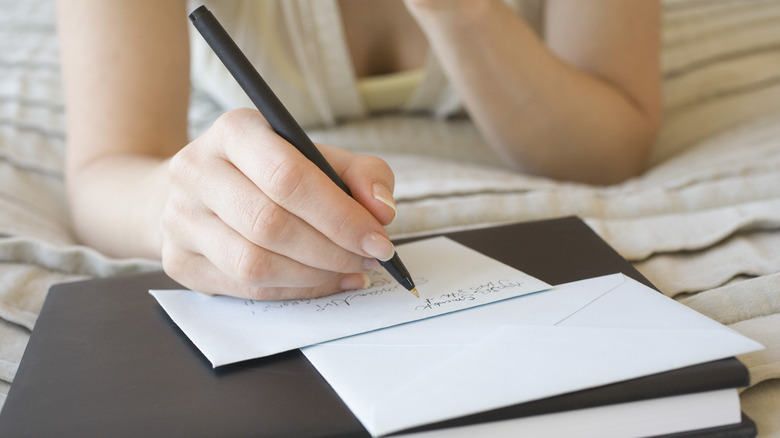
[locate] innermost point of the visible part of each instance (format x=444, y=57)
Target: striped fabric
x=703, y=223
x=721, y=66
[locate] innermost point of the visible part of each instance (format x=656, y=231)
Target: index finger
x=293, y=182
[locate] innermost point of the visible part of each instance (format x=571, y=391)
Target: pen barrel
x=266, y=101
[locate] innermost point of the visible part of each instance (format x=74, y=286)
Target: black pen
x=281, y=121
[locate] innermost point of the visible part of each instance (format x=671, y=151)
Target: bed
x=703, y=223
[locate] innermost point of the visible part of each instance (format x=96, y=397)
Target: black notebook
x=104, y=359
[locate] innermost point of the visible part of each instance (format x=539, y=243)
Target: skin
x=239, y=211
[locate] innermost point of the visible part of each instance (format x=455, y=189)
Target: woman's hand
x=242, y=212
x=248, y=215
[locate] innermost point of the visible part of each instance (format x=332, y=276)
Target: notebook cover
x=104, y=359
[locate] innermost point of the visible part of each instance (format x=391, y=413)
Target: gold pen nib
x=414, y=291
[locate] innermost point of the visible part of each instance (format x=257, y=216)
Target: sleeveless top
x=299, y=48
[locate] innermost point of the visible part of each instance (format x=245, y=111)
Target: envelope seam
x=592, y=301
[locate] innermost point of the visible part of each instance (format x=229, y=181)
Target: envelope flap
x=632, y=304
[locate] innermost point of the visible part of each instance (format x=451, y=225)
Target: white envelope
x=579, y=335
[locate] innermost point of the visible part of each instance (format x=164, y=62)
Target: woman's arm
x=238, y=210
x=125, y=71
x=584, y=105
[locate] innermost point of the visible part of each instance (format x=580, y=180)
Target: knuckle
x=374, y=162
x=234, y=118
x=377, y=166
x=232, y=126
x=267, y=220
x=190, y=167
x=173, y=215
x=346, y=227
x=285, y=180
x=173, y=261
x=252, y=265
x=181, y=165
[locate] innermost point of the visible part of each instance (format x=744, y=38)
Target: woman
x=238, y=211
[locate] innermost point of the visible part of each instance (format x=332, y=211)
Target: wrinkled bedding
x=703, y=223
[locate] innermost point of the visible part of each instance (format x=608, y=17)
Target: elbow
x=629, y=155
x=610, y=154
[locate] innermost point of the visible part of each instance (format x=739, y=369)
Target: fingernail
x=383, y=195
x=355, y=281
x=378, y=246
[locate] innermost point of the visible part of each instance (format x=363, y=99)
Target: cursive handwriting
x=468, y=294
x=265, y=306
x=347, y=300
x=380, y=285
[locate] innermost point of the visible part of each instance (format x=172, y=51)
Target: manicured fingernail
x=383, y=195
x=378, y=246
x=355, y=281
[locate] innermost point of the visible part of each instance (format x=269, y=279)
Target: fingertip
x=354, y=281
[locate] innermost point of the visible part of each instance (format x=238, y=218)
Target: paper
x=575, y=336
x=448, y=275
x=643, y=418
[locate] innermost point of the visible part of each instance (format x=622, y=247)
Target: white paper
x=642, y=418
x=448, y=275
x=575, y=336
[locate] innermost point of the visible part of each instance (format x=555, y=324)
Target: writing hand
x=248, y=215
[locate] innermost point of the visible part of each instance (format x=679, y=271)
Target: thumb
x=369, y=178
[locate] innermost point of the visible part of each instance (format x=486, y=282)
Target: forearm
x=125, y=67
x=540, y=113
x=116, y=204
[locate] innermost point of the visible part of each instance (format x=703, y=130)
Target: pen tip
x=414, y=291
